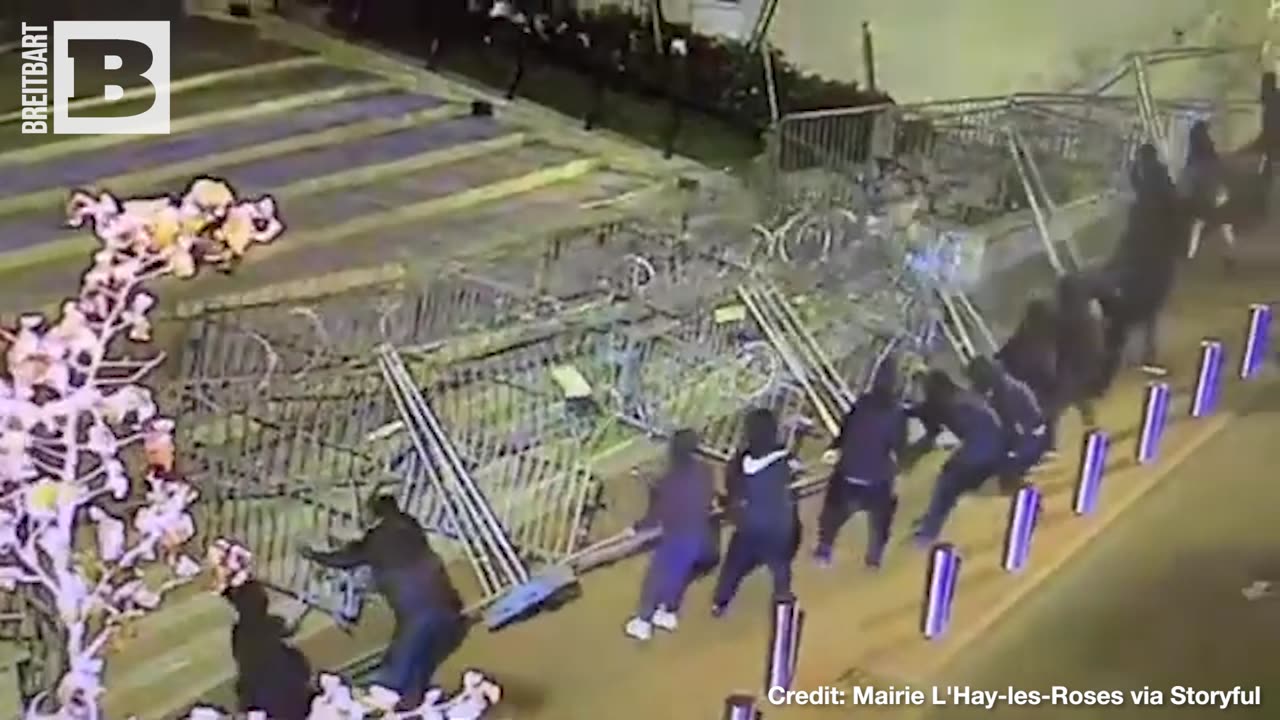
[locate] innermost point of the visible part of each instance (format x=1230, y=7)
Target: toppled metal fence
x=501, y=399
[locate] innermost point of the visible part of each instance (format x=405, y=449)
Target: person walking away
x=1205, y=189
x=873, y=436
x=761, y=504
x=1026, y=433
x=272, y=676
x=429, y=623
x=1031, y=355
x=681, y=507
x=978, y=456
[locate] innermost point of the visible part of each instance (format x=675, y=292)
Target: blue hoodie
x=759, y=490
x=872, y=438
x=681, y=501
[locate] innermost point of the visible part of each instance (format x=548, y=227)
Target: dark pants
x=672, y=566
x=843, y=500
x=1025, y=452
x=750, y=549
x=418, y=646
x=965, y=471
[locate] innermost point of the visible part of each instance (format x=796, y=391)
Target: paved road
x=1156, y=602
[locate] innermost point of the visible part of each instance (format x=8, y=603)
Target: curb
x=83, y=244
x=197, y=166
x=974, y=628
x=188, y=83
x=87, y=143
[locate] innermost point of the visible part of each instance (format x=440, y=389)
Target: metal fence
x=542, y=368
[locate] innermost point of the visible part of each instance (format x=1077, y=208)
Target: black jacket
x=405, y=568
x=872, y=440
x=759, y=490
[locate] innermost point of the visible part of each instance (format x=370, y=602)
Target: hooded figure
x=1145, y=265
x=872, y=439
x=979, y=455
x=429, y=624
x=1026, y=432
x=1084, y=371
x=681, y=506
x=1205, y=187
x=271, y=675
x=1031, y=352
x=763, y=509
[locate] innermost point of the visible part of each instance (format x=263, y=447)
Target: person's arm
x=352, y=555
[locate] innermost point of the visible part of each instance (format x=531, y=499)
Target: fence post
x=784, y=645
x=1204, y=396
x=1093, y=463
x=1155, y=415
x=740, y=707
x=1257, y=338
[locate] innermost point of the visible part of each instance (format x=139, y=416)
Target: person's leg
x=680, y=574
x=436, y=636
x=740, y=559
x=836, y=510
x=881, y=507
x=1193, y=243
x=780, y=555
x=946, y=493
x=396, y=671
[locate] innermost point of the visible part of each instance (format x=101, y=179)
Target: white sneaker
x=664, y=619
x=638, y=629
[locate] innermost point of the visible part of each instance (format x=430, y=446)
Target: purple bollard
x=1155, y=415
x=1204, y=397
x=740, y=707
x=1256, y=339
x=939, y=590
x=784, y=645
x=1093, y=463
x=1023, y=510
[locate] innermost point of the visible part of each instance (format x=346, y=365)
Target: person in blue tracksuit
x=1026, y=432
x=763, y=509
x=979, y=455
x=681, y=506
x=872, y=438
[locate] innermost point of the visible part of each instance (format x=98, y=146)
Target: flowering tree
x=90, y=494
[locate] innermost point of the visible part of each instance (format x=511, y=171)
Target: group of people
x=1065, y=353
x=274, y=677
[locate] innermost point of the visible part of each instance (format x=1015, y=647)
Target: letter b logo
x=117, y=73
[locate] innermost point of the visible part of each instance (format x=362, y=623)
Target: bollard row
x=942, y=574
x=943, y=569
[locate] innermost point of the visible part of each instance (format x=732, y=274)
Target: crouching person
x=873, y=437
x=1026, y=433
x=681, y=507
x=763, y=509
x=429, y=623
x=977, y=458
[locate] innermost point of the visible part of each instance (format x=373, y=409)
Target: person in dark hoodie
x=271, y=675
x=681, y=507
x=873, y=437
x=763, y=509
x=1031, y=354
x=1083, y=371
x=1144, y=267
x=1025, y=431
x=1205, y=188
x=979, y=455
x=429, y=624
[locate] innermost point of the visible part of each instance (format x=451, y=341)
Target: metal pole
x=868, y=57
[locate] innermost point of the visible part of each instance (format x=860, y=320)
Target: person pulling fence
x=872, y=439
x=762, y=506
x=681, y=506
x=429, y=623
x=1205, y=188
x=1031, y=355
x=980, y=453
x=1026, y=433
